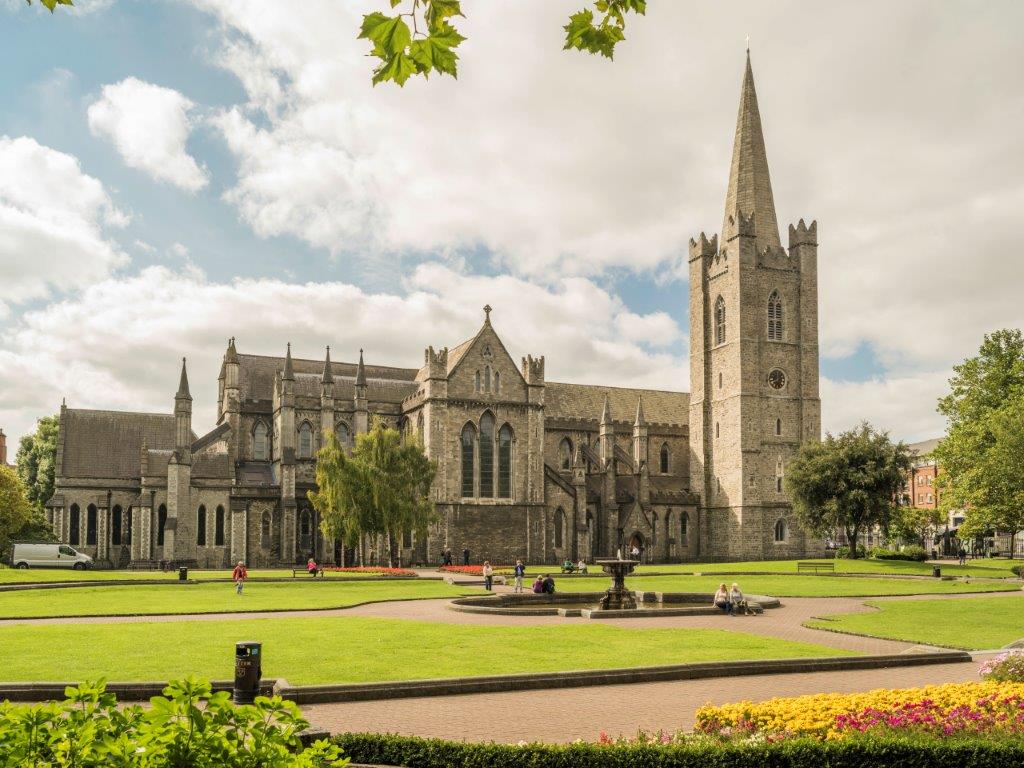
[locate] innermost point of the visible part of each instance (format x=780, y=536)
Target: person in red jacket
x=239, y=575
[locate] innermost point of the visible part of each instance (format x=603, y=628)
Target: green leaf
x=389, y=34
x=398, y=68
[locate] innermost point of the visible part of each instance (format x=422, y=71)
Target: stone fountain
x=618, y=598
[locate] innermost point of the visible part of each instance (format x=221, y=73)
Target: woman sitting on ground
x=538, y=584
x=722, y=599
x=739, y=602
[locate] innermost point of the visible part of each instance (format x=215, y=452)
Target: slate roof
x=586, y=401
x=211, y=465
x=108, y=444
x=384, y=383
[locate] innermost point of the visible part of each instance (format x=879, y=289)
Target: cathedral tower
x=753, y=360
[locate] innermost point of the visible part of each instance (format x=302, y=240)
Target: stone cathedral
x=527, y=468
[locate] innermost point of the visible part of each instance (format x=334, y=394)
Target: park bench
x=815, y=567
x=304, y=572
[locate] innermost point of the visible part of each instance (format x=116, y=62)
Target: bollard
x=248, y=671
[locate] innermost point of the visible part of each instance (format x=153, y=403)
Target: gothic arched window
x=306, y=530
x=774, y=317
x=778, y=426
x=487, y=456
x=201, y=526
x=218, y=528
x=505, y=462
x=664, y=459
x=161, y=523
x=487, y=379
x=305, y=441
x=116, y=519
x=265, y=530
x=781, y=531
x=497, y=382
x=477, y=385
x=344, y=435
x=260, y=443
x=565, y=453
x=90, y=525
x=74, y=525
x=559, y=527
x=684, y=522
x=127, y=538
x=720, y=321
x=468, y=456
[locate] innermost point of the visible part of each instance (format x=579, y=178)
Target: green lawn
x=979, y=623
x=215, y=597
x=980, y=568
x=355, y=649
x=34, y=575
x=798, y=586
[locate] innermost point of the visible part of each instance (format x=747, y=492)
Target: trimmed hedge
x=791, y=753
x=913, y=553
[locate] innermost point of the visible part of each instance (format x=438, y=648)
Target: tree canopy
x=19, y=519
x=383, y=487
x=847, y=482
x=421, y=37
x=37, y=460
x=982, y=455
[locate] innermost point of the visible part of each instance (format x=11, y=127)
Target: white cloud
x=53, y=222
x=149, y=125
x=116, y=344
x=902, y=404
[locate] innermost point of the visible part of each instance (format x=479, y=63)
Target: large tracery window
x=720, y=321
x=487, y=456
x=774, y=317
x=505, y=462
x=468, y=451
x=305, y=441
x=260, y=443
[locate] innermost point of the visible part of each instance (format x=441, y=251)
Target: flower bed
x=1005, y=668
x=990, y=708
x=476, y=570
x=373, y=570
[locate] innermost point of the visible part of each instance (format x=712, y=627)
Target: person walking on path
x=465, y=556
x=520, y=572
x=488, y=575
x=239, y=575
x=962, y=555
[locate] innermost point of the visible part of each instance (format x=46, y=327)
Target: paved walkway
x=581, y=713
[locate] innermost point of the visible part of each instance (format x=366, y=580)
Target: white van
x=49, y=556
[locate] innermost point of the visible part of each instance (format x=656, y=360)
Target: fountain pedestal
x=618, y=598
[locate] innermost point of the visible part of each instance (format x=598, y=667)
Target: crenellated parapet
x=436, y=363
x=702, y=247
x=802, y=234
x=533, y=370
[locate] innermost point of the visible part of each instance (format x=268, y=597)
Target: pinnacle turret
x=289, y=371
x=606, y=412
x=231, y=356
x=360, y=371
x=750, y=186
x=183, y=393
x=641, y=420
x=328, y=377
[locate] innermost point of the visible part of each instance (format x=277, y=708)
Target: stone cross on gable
x=487, y=313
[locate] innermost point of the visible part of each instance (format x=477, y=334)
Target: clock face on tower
x=776, y=379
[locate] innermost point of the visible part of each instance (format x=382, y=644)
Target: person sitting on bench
x=311, y=567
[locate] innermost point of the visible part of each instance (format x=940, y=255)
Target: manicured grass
x=35, y=575
x=976, y=624
x=356, y=649
x=980, y=568
x=799, y=586
x=211, y=598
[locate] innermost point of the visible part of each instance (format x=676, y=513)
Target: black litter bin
x=248, y=671
x=936, y=572
x=183, y=574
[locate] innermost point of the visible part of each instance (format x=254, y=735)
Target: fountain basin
x=587, y=605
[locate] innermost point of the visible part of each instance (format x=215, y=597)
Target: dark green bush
x=913, y=553
x=1017, y=570
x=188, y=727
x=791, y=753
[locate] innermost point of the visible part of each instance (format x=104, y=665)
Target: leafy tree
x=981, y=455
x=52, y=4
x=847, y=482
x=381, y=489
x=915, y=523
x=37, y=460
x=18, y=518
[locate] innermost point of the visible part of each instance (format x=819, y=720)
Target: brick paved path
x=581, y=713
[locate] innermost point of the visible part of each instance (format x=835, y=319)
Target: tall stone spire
x=606, y=412
x=183, y=393
x=289, y=371
x=750, y=187
x=360, y=371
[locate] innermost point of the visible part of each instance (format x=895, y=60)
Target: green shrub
x=188, y=727
x=1017, y=570
x=791, y=753
x=913, y=552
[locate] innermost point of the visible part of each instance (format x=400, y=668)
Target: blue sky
x=574, y=183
